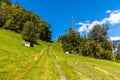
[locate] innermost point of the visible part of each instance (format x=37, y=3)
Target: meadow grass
x=17, y=62
x=87, y=68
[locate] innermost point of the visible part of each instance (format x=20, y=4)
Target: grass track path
x=62, y=76
x=30, y=65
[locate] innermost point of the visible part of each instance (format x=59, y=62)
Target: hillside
x=46, y=61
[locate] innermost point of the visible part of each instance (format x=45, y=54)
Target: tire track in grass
x=67, y=70
x=32, y=62
x=37, y=56
x=45, y=71
x=106, y=72
x=62, y=76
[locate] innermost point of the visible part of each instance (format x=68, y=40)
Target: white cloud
x=114, y=18
x=96, y=22
x=108, y=11
x=81, y=23
x=114, y=38
x=86, y=27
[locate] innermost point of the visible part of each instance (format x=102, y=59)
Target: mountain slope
x=47, y=61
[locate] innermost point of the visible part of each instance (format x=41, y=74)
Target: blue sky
x=58, y=13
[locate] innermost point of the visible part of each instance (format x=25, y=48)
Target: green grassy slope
x=87, y=68
x=43, y=62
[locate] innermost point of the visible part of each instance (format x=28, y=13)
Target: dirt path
x=62, y=76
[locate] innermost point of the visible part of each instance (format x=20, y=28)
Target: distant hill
x=46, y=61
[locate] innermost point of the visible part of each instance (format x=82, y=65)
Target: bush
x=108, y=55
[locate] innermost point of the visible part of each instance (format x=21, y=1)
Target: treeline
x=95, y=45
x=14, y=17
x=5, y=1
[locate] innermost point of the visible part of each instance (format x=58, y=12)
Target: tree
x=30, y=32
x=6, y=1
x=99, y=32
x=4, y=12
x=70, y=41
x=16, y=19
x=96, y=45
x=118, y=53
x=10, y=24
x=13, y=17
x=99, y=35
x=45, y=33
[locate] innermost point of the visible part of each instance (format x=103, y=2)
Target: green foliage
x=118, y=53
x=96, y=45
x=45, y=33
x=4, y=12
x=70, y=41
x=17, y=18
x=99, y=32
x=10, y=24
x=108, y=55
x=117, y=57
x=30, y=32
x=14, y=17
x=5, y=1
